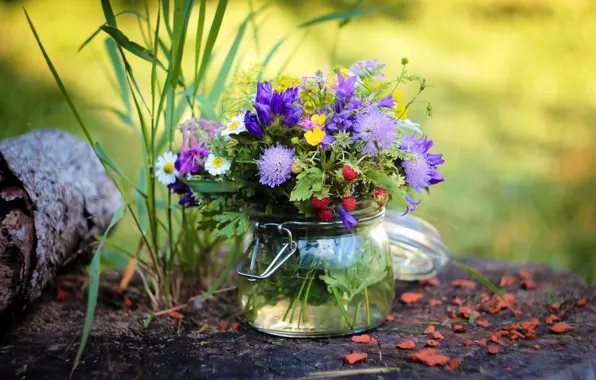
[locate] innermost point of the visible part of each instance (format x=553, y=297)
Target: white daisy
x=165, y=171
x=217, y=165
x=234, y=126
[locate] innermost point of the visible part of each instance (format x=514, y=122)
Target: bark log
x=55, y=197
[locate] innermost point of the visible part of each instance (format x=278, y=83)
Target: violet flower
x=411, y=206
x=347, y=219
x=376, y=129
x=252, y=125
x=269, y=104
x=421, y=172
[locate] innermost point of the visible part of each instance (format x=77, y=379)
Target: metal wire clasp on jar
x=305, y=278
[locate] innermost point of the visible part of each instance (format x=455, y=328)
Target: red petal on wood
x=493, y=350
x=463, y=284
x=355, y=357
x=435, y=302
x=430, y=329
x=235, y=326
x=457, y=301
x=175, y=314
x=223, y=324
x=581, y=302
x=518, y=313
x=561, y=327
x=483, y=323
x=525, y=275
x=528, y=284
x=391, y=316
x=530, y=325
x=459, y=329
x=552, y=319
x=555, y=306
x=430, y=282
x=482, y=342
x=407, y=345
x=468, y=342
x=436, y=335
x=361, y=339
x=453, y=363
x=410, y=297
x=507, y=282
x=429, y=357
x=537, y=347
x=432, y=343
x=127, y=302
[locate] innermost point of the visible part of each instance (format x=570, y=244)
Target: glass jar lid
x=417, y=250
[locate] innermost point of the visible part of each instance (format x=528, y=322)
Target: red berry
x=381, y=196
x=349, y=203
x=319, y=202
x=325, y=214
x=349, y=173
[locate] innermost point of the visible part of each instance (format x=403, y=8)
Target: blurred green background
x=513, y=93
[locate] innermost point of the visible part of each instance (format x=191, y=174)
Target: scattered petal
x=530, y=334
x=552, y=319
x=435, y=302
x=457, y=301
x=555, y=306
x=361, y=339
x=430, y=358
x=528, y=284
x=410, y=297
x=453, y=363
x=391, y=316
x=432, y=343
x=459, y=329
x=507, y=282
x=463, y=284
x=581, y=302
x=468, y=342
x=483, y=323
x=561, y=327
x=407, y=345
x=62, y=295
x=355, y=358
x=525, y=275
x=430, y=329
x=537, y=347
x=530, y=325
x=127, y=302
x=430, y=282
x=451, y=314
x=516, y=335
x=436, y=335
x=518, y=313
x=223, y=324
x=235, y=326
x=175, y=314
x=493, y=350
x=466, y=311
x=482, y=342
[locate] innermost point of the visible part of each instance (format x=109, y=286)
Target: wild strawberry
x=296, y=169
x=319, y=202
x=349, y=203
x=325, y=214
x=349, y=173
x=381, y=196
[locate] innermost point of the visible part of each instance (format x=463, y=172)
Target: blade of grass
x=103, y=156
x=108, y=12
x=485, y=281
x=341, y=16
x=120, y=74
x=235, y=255
x=91, y=37
x=129, y=45
x=94, y=286
x=199, y=42
x=220, y=81
x=351, y=372
x=271, y=54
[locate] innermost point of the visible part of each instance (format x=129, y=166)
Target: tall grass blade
x=341, y=16
x=91, y=37
x=103, y=156
x=120, y=74
x=94, y=286
x=108, y=12
x=272, y=52
x=485, y=281
x=129, y=45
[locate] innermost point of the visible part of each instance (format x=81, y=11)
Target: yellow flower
x=284, y=82
x=314, y=136
x=319, y=119
x=398, y=96
x=401, y=111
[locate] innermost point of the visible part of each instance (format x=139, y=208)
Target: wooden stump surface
x=200, y=345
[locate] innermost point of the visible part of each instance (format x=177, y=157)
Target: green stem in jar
x=341, y=307
x=310, y=279
x=356, y=313
x=367, y=306
x=326, y=314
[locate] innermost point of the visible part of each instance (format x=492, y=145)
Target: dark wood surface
x=44, y=343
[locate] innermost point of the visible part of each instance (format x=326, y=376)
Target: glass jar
x=417, y=250
x=305, y=278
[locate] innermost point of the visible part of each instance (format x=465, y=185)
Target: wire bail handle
x=279, y=259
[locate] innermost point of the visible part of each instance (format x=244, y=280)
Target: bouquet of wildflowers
x=320, y=144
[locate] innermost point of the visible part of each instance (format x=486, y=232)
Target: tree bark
x=55, y=197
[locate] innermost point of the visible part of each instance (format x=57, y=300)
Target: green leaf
x=94, y=286
x=307, y=183
x=341, y=16
x=108, y=13
x=485, y=281
x=232, y=262
x=129, y=45
x=220, y=81
x=103, y=156
x=211, y=38
x=120, y=74
x=140, y=201
x=272, y=53
x=200, y=186
x=88, y=40
x=232, y=223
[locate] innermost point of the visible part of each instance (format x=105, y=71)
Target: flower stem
x=367, y=306
x=341, y=307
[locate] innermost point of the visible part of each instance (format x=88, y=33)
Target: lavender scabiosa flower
x=421, y=172
x=346, y=218
x=411, y=206
x=252, y=125
x=275, y=165
x=376, y=129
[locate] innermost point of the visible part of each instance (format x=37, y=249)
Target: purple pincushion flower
x=347, y=219
x=376, y=129
x=421, y=172
x=275, y=165
x=252, y=125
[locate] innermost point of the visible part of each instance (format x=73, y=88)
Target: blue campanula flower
x=347, y=219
